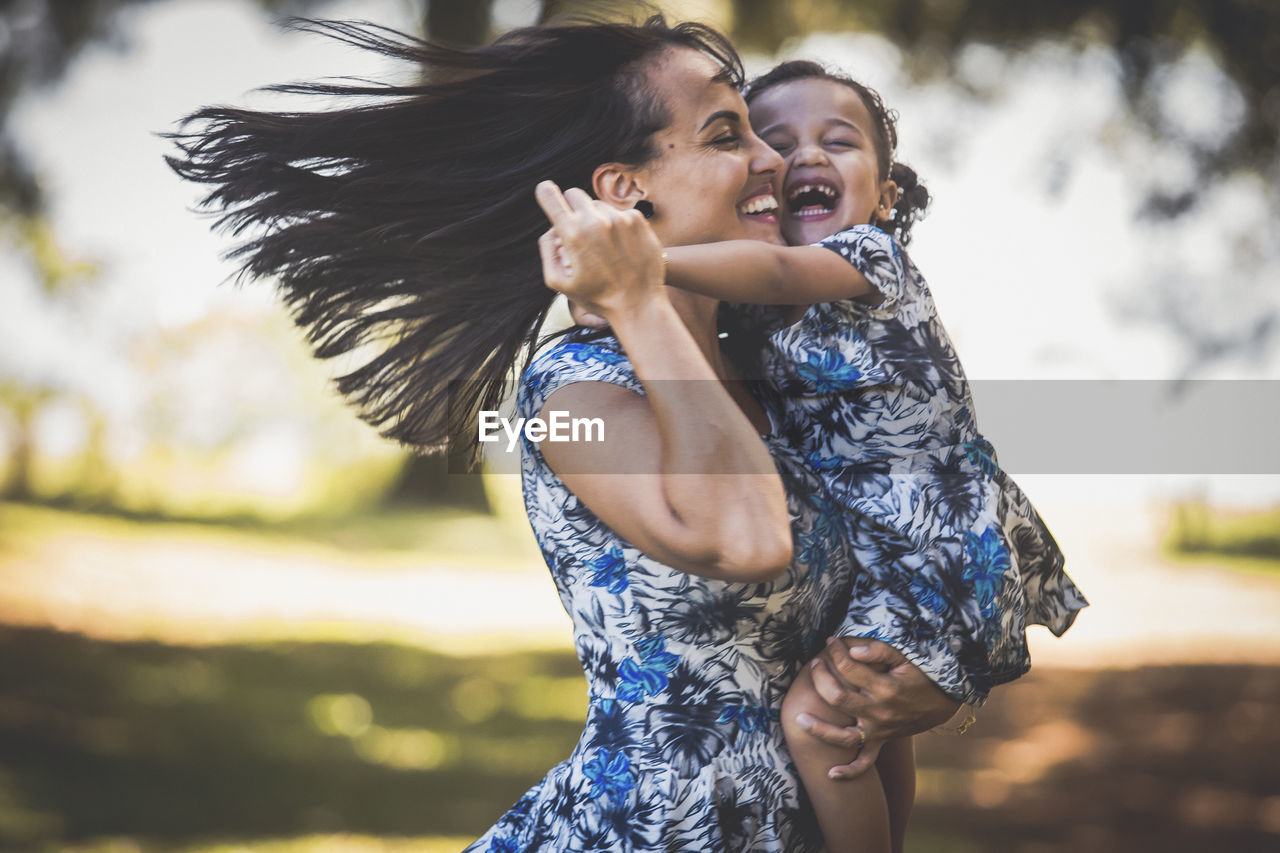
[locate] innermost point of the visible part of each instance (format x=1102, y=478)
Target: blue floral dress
x=682, y=748
x=955, y=562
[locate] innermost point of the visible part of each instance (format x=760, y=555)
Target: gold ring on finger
x=862, y=741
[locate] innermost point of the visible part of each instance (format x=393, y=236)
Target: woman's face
x=713, y=177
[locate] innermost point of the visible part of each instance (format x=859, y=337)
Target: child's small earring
x=645, y=207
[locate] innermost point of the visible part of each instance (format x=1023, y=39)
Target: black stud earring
x=645, y=207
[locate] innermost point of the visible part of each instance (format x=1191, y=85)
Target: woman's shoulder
x=577, y=357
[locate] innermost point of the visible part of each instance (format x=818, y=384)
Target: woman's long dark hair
x=407, y=221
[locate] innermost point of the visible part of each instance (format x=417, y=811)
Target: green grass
x=344, y=843
x=438, y=535
x=115, y=747
x=182, y=747
x=1248, y=541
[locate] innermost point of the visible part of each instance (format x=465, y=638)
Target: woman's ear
x=616, y=185
x=888, y=198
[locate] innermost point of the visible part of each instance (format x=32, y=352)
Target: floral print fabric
x=682, y=748
x=954, y=560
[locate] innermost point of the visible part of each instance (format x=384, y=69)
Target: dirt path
x=173, y=585
x=1151, y=726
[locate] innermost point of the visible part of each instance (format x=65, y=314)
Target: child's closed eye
x=779, y=143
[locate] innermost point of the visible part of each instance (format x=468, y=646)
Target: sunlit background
x=233, y=618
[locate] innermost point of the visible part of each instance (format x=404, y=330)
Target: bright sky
x=1031, y=248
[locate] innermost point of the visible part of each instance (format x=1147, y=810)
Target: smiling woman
x=411, y=218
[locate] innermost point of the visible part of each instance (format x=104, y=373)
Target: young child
x=954, y=561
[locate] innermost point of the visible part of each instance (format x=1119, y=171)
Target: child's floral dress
x=954, y=562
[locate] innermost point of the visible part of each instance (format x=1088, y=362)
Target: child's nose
x=811, y=154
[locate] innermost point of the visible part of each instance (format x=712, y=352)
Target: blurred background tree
x=41, y=37
x=39, y=40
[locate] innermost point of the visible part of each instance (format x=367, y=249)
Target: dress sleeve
x=574, y=361
x=875, y=254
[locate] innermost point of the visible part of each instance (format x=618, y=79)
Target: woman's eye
x=729, y=140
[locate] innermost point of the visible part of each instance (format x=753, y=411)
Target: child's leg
x=852, y=813
x=896, y=765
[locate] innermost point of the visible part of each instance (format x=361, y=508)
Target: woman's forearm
x=710, y=501
x=724, y=495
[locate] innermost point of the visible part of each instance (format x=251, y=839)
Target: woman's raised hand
x=605, y=259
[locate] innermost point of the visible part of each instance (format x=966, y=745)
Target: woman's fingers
x=579, y=200
x=586, y=318
x=563, y=260
x=552, y=202
x=844, y=737
x=864, y=762
x=874, y=653
x=603, y=257
x=555, y=271
x=852, y=672
x=837, y=693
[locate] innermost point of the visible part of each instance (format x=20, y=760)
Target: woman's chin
x=762, y=228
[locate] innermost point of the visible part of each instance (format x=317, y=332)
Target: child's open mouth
x=812, y=201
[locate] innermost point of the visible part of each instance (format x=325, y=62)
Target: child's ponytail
x=913, y=198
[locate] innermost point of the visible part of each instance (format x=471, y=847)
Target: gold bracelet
x=965, y=724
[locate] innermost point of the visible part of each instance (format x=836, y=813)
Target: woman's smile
x=714, y=178
x=761, y=206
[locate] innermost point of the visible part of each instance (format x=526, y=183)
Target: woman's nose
x=764, y=160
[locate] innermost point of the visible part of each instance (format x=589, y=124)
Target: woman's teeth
x=759, y=204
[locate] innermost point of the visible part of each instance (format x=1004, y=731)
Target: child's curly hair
x=913, y=198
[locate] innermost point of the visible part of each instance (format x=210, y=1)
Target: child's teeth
x=804, y=188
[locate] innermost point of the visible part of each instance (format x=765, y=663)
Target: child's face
x=824, y=133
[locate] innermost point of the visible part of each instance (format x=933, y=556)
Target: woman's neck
x=699, y=314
